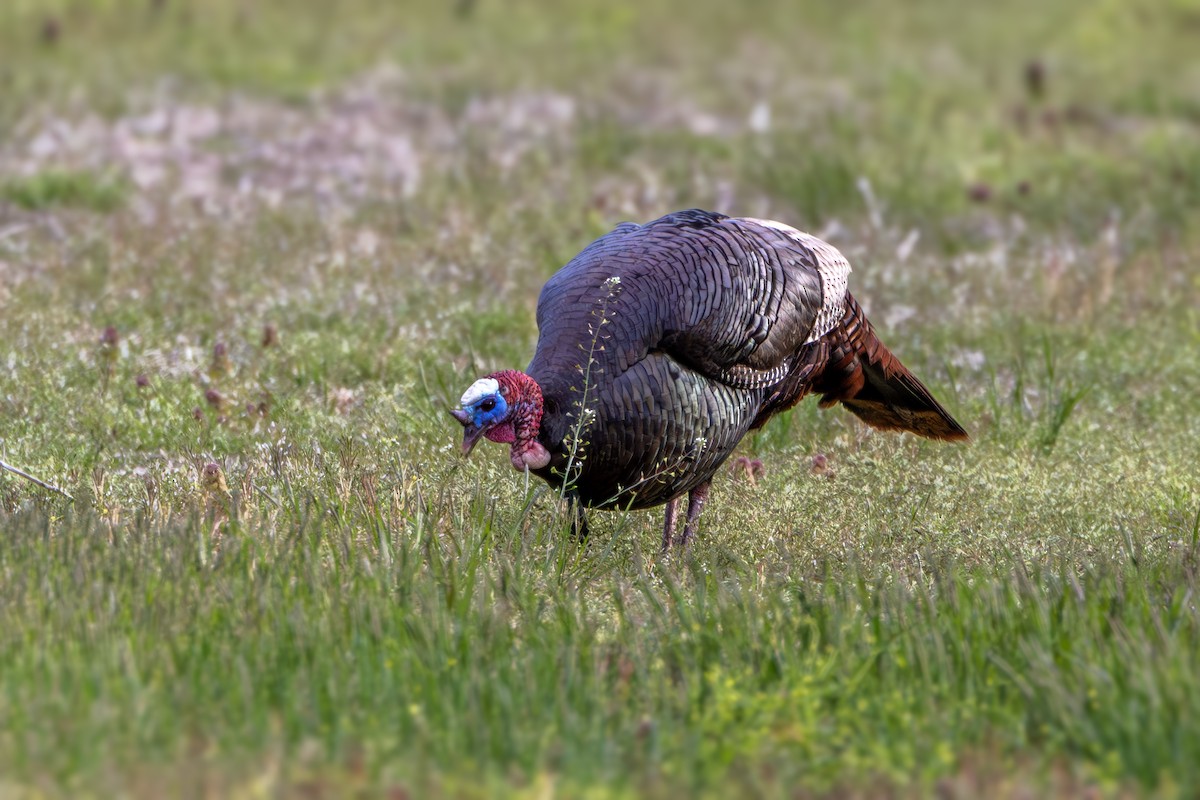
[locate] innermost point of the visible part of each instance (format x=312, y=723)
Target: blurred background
x=1050, y=111
x=406, y=175
x=1054, y=127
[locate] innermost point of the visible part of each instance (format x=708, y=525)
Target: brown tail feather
x=866, y=378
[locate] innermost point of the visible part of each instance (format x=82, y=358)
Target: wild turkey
x=662, y=344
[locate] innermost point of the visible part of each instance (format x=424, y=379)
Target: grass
x=283, y=239
x=80, y=190
x=496, y=648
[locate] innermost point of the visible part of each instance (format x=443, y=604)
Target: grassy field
x=250, y=252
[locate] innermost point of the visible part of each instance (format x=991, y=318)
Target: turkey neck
x=524, y=398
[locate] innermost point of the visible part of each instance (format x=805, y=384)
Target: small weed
x=52, y=189
x=1060, y=398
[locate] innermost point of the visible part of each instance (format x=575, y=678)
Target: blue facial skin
x=488, y=410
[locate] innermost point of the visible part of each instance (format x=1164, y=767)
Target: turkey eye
x=488, y=405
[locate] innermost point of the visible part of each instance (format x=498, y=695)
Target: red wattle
x=502, y=433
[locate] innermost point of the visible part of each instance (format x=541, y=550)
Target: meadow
x=251, y=253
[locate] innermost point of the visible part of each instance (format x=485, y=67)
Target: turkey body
x=661, y=345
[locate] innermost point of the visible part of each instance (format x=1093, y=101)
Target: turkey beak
x=471, y=432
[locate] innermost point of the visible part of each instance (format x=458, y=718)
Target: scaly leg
x=669, y=518
x=696, y=500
